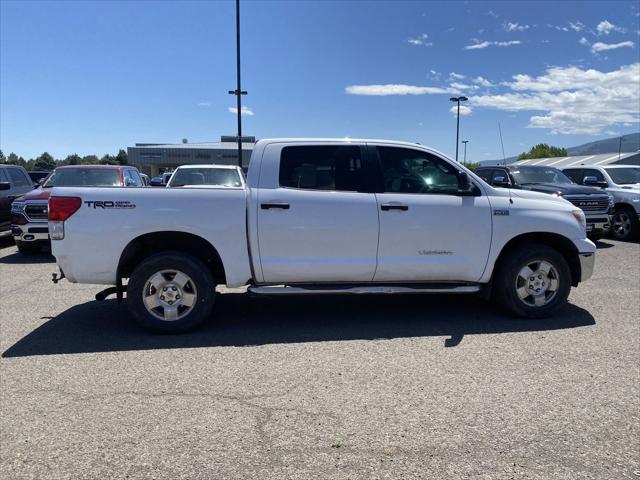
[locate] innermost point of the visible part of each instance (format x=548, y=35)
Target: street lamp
x=464, y=162
x=238, y=92
x=458, y=100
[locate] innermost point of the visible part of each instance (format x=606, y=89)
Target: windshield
x=225, y=177
x=525, y=175
x=624, y=176
x=83, y=177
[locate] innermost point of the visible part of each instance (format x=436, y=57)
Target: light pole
x=458, y=100
x=464, y=162
x=238, y=91
x=619, y=148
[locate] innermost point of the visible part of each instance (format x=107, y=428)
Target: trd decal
x=109, y=204
x=499, y=213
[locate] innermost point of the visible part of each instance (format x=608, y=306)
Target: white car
x=623, y=183
x=323, y=216
x=194, y=176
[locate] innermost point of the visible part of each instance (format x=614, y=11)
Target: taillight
x=61, y=208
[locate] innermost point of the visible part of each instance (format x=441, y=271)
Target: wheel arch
x=558, y=242
x=151, y=243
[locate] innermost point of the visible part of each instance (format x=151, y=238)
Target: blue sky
x=92, y=77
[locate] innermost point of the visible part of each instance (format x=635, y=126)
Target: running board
x=358, y=290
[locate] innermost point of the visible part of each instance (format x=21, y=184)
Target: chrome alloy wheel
x=537, y=283
x=621, y=224
x=169, y=295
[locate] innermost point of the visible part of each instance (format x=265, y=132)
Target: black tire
x=202, y=284
x=28, y=248
x=506, y=276
x=625, y=224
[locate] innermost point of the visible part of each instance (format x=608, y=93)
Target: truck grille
x=37, y=211
x=589, y=204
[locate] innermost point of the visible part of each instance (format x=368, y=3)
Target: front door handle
x=267, y=206
x=394, y=206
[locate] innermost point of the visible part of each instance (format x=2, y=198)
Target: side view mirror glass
x=5, y=186
x=501, y=182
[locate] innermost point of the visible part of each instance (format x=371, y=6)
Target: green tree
x=73, y=159
x=3, y=159
x=44, y=162
x=122, y=157
x=472, y=165
x=542, y=150
x=90, y=160
x=108, y=160
x=14, y=159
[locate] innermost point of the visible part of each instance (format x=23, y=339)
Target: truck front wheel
x=532, y=281
x=171, y=292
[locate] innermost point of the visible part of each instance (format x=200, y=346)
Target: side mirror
x=5, y=186
x=130, y=182
x=594, y=182
x=465, y=187
x=501, y=182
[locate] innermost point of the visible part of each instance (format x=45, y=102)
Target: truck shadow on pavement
x=244, y=320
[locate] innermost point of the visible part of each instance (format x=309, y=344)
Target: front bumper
x=587, y=264
x=599, y=224
x=31, y=232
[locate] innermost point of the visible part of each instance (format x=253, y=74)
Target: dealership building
x=155, y=158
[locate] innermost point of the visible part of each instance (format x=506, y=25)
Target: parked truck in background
x=323, y=216
x=29, y=211
x=623, y=183
x=596, y=204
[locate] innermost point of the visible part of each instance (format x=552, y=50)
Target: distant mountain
x=630, y=143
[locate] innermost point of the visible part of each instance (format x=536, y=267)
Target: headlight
x=579, y=216
x=18, y=207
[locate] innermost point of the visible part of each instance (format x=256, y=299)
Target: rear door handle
x=267, y=206
x=394, y=206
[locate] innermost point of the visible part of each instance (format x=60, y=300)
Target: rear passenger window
x=337, y=167
x=3, y=177
x=18, y=177
x=574, y=174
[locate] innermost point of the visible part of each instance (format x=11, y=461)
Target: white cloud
x=572, y=100
x=576, y=26
x=456, y=76
x=420, y=40
x=605, y=27
x=243, y=111
x=583, y=41
x=461, y=87
x=204, y=104
x=395, y=89
x=601, y=47
x=464, y=110
x=485, y=44
x=483, y=82
x=514, y=27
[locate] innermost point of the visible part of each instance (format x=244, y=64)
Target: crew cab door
x=316, y=221
x=429, y=231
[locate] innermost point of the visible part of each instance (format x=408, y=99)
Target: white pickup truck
x=323, y=216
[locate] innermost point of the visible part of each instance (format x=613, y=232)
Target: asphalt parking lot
x=320, y=387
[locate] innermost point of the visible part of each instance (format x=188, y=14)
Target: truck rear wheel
x=171, y=292
x=532, y=281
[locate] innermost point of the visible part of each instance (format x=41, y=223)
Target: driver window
x=411, y=171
